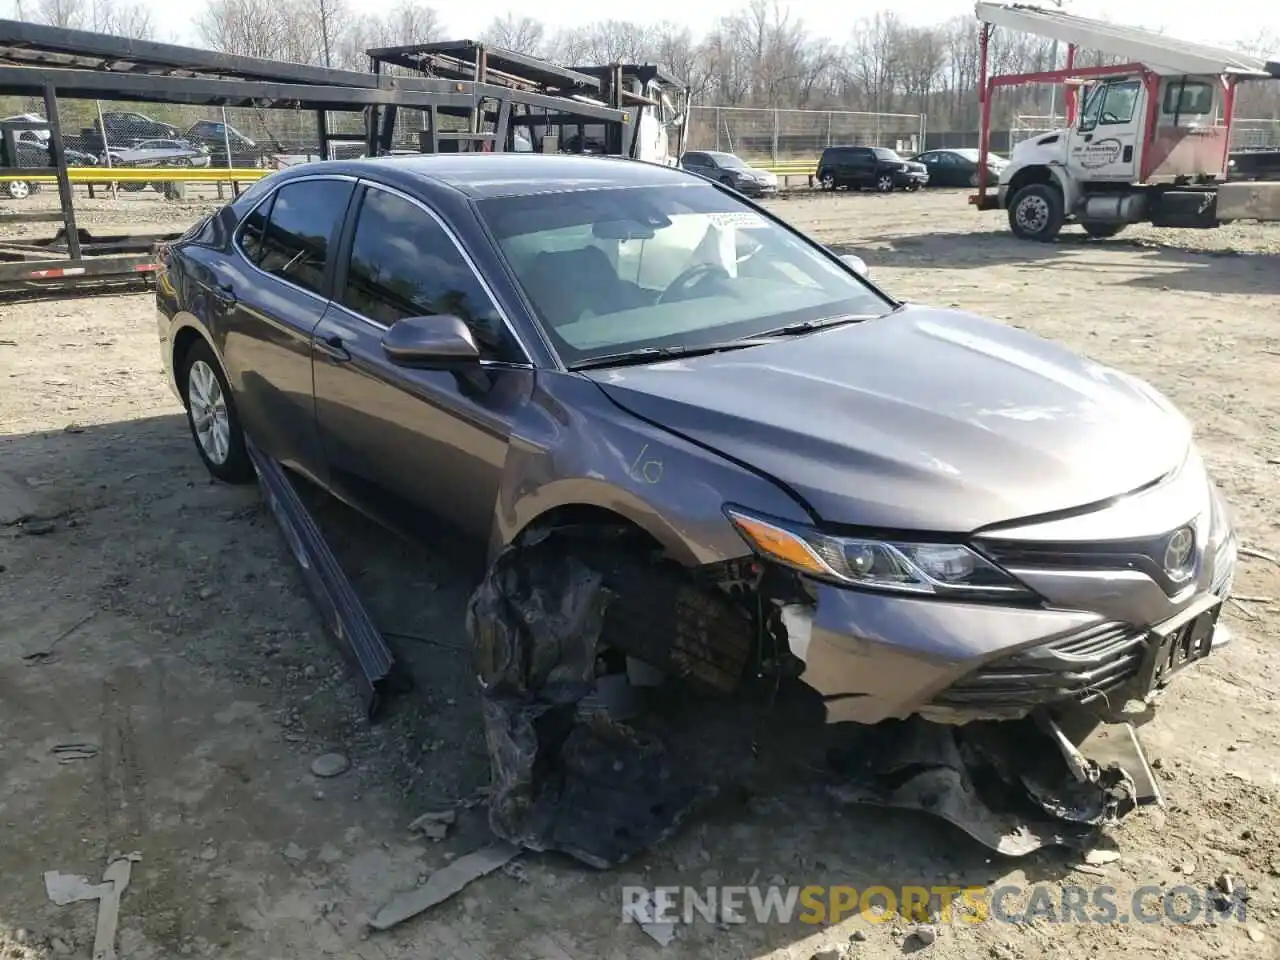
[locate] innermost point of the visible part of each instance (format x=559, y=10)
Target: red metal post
x=1073, y=92
x=1150, y=83
x=984, y=98
x=1228, y=113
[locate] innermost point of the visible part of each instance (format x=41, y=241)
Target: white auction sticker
x=742, y=219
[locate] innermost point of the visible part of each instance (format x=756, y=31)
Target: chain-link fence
x=1255, y=134
x=778, y=136
x=115, y=134
x=1026, y=126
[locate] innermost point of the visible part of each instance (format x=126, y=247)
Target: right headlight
x=896, y=566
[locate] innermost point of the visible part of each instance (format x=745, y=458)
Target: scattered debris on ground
x=330, y=765
x=434, y=825
x=444, y=883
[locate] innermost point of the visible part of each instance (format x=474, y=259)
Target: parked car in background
x=730, y=170
x=34, y=155
x=958, y=168
x=127, y=129
x=217, y=137
x=877, y=168
x=928, y=512
x=31, y=136
x=161, y=153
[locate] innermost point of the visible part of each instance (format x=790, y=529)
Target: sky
x=1232, y=20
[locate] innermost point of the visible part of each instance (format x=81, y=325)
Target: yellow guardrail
x=153, y=175
x=789, y=168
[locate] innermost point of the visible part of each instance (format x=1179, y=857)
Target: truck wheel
x=1101, y=231
x=1036, y=213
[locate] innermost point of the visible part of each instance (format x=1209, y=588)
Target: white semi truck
x=1148, y=142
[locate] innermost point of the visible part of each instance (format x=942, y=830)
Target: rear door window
x=301, y=229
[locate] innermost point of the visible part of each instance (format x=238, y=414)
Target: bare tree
x=519, y=33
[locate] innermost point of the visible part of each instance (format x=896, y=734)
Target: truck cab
x=1139, y=138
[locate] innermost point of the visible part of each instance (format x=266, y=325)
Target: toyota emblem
x=1178, y=553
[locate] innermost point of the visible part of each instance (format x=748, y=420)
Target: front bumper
x=912, y=178
x=874, y=656
x=756, y=188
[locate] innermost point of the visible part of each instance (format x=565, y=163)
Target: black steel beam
x=92, y=84
x=530, y=69
x=27, y=41
x=65, y=195
x=459, y=94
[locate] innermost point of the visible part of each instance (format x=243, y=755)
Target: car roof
x=486, y=175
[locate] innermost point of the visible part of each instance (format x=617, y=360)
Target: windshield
x=728, y=161
x=614, y=270
x=884, y=153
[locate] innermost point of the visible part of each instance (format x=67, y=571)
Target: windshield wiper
x=655, y=354
x=807, y=326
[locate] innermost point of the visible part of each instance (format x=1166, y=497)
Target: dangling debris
x=567, y=776
x=1006, y=784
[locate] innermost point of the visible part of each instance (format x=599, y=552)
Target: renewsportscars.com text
x=1100, y=904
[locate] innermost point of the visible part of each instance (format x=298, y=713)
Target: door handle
x=333, y=348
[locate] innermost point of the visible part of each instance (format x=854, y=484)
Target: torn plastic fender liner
x=340, y=607
x=1003, y=783
x=564, y=778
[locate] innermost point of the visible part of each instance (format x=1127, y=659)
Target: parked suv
x=877, y=167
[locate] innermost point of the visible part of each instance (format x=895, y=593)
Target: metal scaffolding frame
x=49, y=62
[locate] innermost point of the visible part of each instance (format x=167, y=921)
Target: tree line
x=761, y=56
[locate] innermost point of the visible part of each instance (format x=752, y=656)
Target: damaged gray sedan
x=777, y=466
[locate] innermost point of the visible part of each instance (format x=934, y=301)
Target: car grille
x=1083, y=667
x=1146, y=555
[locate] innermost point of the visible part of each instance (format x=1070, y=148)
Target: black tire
x=235, y=466
x=827, y=180
x=884, y=183
x=1103, y=231
x=1035, y=212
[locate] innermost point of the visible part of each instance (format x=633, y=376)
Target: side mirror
x=855, y=263
x=442, y=341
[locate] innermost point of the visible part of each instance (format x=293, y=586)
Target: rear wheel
x=1101, y=231
x=17, y=189
x=212, y=416
x=1036, y=212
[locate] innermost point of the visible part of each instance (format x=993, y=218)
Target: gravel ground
x=178, y=641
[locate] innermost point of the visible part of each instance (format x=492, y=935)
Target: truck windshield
x=676, y=266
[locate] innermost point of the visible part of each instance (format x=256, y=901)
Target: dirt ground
x=159, y=618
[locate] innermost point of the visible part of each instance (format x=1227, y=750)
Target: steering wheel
x=692, y=278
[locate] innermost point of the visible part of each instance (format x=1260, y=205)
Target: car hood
x=925, y=419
